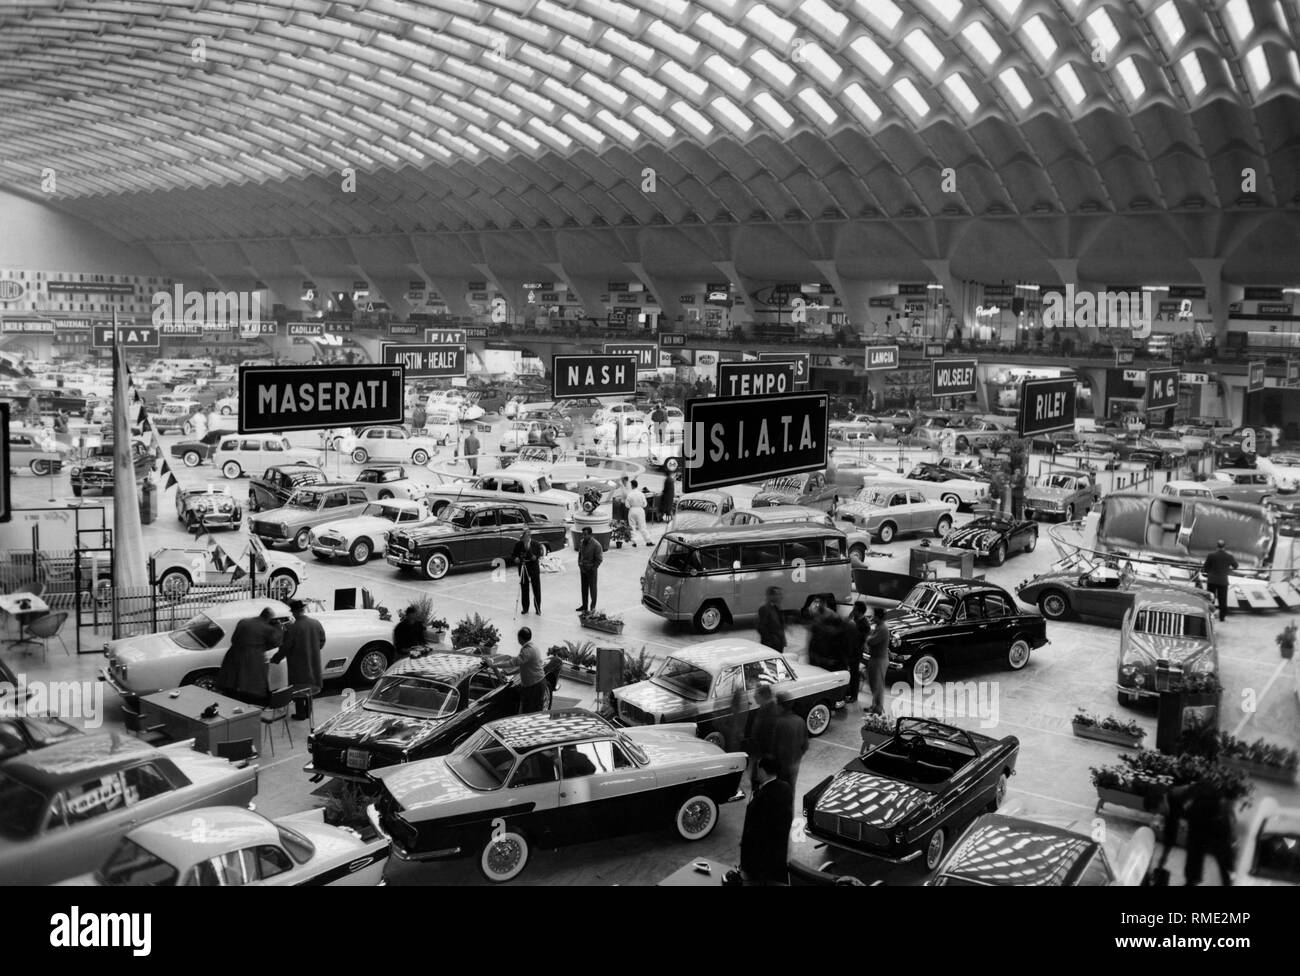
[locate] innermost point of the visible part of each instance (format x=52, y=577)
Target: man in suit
x=765, y=839
x=1217, y=566
x=243, y=670
x=472, y=448
x=590, y=556
x=303, y=640
x=527, y=555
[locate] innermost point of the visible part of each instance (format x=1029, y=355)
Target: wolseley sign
x=276, y=398
x=952, y=377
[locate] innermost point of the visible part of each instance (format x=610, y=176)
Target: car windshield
x=388, y=512
x=881, y=498
x=697, y=505
x=457, y=515
x=783, y=485
x=309, y=500
x=21, y=809
x=409, y=693
x=483, y=763
x=998, y=522
x=676, y=556
x=929, y=600
x=1277, y=856
x=131, y=864
x=1060, y=481
x=684, y=678
x=1170, y=623
x=199, y=634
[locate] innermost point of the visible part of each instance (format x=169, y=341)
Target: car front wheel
x=231, y=470
x=818, y=719
x=943, y=526
x=951, y=499
x=370, y=664
x=174, y=584
x=934, y=849
x=436, y=566
x=924, y=669
x=886, y=532
x=302, y=540
x=999, y=554
x=40, y=467
x=420, y=456
x=361, y=552
x=696, y=817
x=360, y=456
x=282, y=586
x=709, y=618
x=1032, y=542
x=1054, y=605
x=192, y=459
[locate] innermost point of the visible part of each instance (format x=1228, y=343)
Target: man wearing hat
x=590, y=556
x=408, y=633
x=302, y=642
x=1217, y=566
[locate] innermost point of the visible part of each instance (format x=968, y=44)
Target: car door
x=532, y=797
x=86, y=821
x=483, y=541
x=967, y=639
x=373, y=442
x=602, y=791
x=901, y=511
x=250, y=456
x=1000, y=622
x=397, y=445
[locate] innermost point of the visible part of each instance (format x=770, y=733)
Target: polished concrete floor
x=1076, y=670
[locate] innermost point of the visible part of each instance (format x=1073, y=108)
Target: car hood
x=905, y=620
x=870, y=799
x=435, y=530
x=973, y=538
x=365, y=726
x=293, y=516
x=859, y=509
x=1152, y=648
x=356, y=526
x=693, y=519
x=680, y=742
x=1037, y=492
x=147, y=647
x=425, y=788
x=651, y=698
x=774, y=498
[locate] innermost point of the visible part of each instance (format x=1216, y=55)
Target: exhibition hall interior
x=650, y=443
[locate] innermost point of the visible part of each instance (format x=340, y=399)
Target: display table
x=689, y=876
x=23, y=607
x=177, y=714
x=931, y=562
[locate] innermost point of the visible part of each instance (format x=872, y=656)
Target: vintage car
x=858, y=540
x=307, y=508
x=1196, y=438
x=1182, y=488
x=1285, y=469
x=1286, y=511
x=276, y=484
x=1163, y=631
x=35, y=448
x=1060, y=496
x=699, y=683
x=173, y=415
x=1181, y=529
x=421, y=707
x=390, y=481
x=1078, y=586
x=456, y=401
x=885, y=510
x=994, y=537
x=1000, y=850
x=951, y=468
x=22, y=730
x=811, y=490
x=849, y=434
x=359, y=645
x=1097, y=449
x=211, y=507
x=94, y=472
x=1235, y=452
x=231, y=847
x=193, y=453
x=946, y=623
x=530, y=488
x=227, y=406
x=946, y=485
x=551, y=779
x=1269, y=847
x=911, y=795
x=470, y=533
x=393, y=444
x=1173, y=451
x=1235, y=485
x=64, y=808
x=984, y=434
x=365, y=534
x=177, y=570
x=252, y=454
x=1056, y=442
x=697, y=509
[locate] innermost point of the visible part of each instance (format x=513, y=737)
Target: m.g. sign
x=646, y=354
x=592, y=376
x=952, y=377
x=1162, y=388
x=1255, y=377
x=276, y=398
x=1045, y=406
x=882, y=357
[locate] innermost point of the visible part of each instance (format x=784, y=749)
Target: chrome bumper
x=328, y=550
x=395, y=560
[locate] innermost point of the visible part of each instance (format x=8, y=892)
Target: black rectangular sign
x=445, y=337
x=130, y=336
x=275, y=398
x=882, y=357
x=1046, y=405
x=952, y=377
x=1162, y=388
x=934, y=350
x=800, y=360
x=755, y=379
x=672, y=338
x=646, y=354
x=6, y=509
x=1256, y=376
x=426, y=359
x=1123, y=357
x=588, y=376
x=731, y=441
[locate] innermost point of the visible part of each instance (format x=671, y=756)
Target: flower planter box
x=586, y=676
x=1143, y=802
x=1275, y=774
x=1107, y=735
x=604, y=626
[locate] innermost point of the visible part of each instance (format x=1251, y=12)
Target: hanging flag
x=171, y=480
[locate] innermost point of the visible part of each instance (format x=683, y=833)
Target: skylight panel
x=820, y=63
x=924, y=49
x=863, y=102
x=544, y=60
x=732, y=113
x=562, y=17
x=692, y=117
x=550, y=133
x=1039, y=37
x=676, y=41
x=1103, y=28
x=778, y=27
x=1015, y=87
x=604, y=89
x=773, y=67
x=614, y=12
x=772, y=110
x=882, y=12
x=1132, y=78
x=1257, y=65
x=1170, y=22
x=589, y=56
x=519, y=26
x=947, y=10
x=874, y=56
x=1008, y=7
x=654, y=122
x=647, y=88
x=567, y=95
x=824, y=15
x=720, y=32
x=588, y=133
x=1240, y=18
x=960, y=90
x=1068, y=79
x=818, y=106
x=726, y=72
x=474, y=132
x=520, y=138
x=908, y=92
x=428, y=145
x=464, y=145
x=536, y=102
x=622, y=129
x=693, y=83
x=630, y=50
x=982, y=41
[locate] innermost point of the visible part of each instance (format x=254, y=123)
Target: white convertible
x=359, y=538
x=177, y=569
x=531, y=489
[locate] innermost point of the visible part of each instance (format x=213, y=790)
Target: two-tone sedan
x=886, y=511
x=1164, y=631
x=307, y=508
x=528, y=487
x=908, y=797
x=1060, y=496
x=551, y=779
x=210, y=507
x=366, y=534
x=469, y=534
x=955, y=488
x=811, y=490
x=994, y=537
x=384, y=481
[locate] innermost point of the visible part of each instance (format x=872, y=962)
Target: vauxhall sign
x=952, y=377
x=276, y=398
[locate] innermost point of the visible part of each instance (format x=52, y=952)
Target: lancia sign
x=882, y=357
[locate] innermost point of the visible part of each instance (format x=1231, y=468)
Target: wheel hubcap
x=934, y=850
x=1054, y=606
x=1019, y=653
x=437, y=566
x=925, y=671
x=710, y=619
x=362, y=553
x=818, y=718
x=696, y=817
x=503, y=856
x=373, y=664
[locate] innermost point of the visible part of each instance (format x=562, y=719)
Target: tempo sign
x=755, y=379
x=882, y=357
x=428, y=359
x=1045, y=406
x=1256, y=377
x=734, y=440
x=952, y=377
x=128, y=336
x=592, y=376
x=1162, y=388
x=276, y=398
x=646, y=354
x=801, y=362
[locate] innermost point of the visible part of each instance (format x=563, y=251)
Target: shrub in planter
x=1258, y=753
x=475, y=631
x=1109, y=724
x=637, y=668
x=579, y=654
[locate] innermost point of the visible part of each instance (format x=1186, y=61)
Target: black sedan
x=908, y=797
x=469, y=534
x=195, y=452
x=994, y=537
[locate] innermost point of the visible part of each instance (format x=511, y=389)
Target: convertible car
x=994, y=537
x=177, y=569
x=553, y=779
x=421, y=707
x=22, y=730
x=956, y=488
x=909, y=796
x=212, y=507
x=1079, y=587
x=530, y=488
x=1185, y=529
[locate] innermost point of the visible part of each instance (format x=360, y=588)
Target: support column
x=667, y=292
x=587, y=289
x=1211, y=272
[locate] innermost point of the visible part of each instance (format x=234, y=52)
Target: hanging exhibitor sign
x=729, y=441
x=313, y=329
x=646, y=354
x=6, y=509
x=277, y=398
x=592, y=376
x=801, y=362
x=1256, y=377
x=445, y=337
x=1046, y=405
x=882, y=357
x=1293, y=373
x=426, y=359
x=952, y=377
x=755, y=379
x=1162, y=388
x=1124, y=357
x=934, y=350
x=672, y=338
x=128, y=336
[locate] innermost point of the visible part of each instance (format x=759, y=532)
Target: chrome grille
x=1163, y=623
x=636, y=716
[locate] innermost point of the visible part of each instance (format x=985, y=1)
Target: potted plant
x=439, y=627
x=1261, y=759
x=637, y=668
x=599, y=620
x=877, y=728
x=1108, y=729
x=474, y=631
x=579, y=660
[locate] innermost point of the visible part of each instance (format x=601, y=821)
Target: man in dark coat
x=765, y=839
x=789, y=740
x=771, y=622
x=243, y=669
x=878, y=659
x=471, y=452
x=590, y=556
x=759, y=734
x=527, y=555
x=1217, y=566
x=667, y=499
x=408, y=633
x=303, y=640
x=861, y=630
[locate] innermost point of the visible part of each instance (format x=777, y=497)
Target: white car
x=457, y=401
x=1187, y=489
x=251, y=454
x=178, y=569
x=628, y=412
x=173, y=415
x=1285, y=469
x=384, y=481
x=1194, y=438
x=359, y=644
x=227, y=406
x=531, y=489
x=1270, y=846
x=958, y=492
x=366, y=535
x=392, y=443
x=887, y=509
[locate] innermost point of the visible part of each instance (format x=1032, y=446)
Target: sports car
x=885, y=510
x=1079, y=587
x=22, y=730
x=231, y=846
x=213, y=507
x=277, y=483
x=177, y=569
x=1164, y=632
x=195, y=452
x=362, y=536
x=421, y=707
x=65, y=808
x=954, y=488
x=911, y=795
x=553, y=779
x=1063, y=496
x=994, y=537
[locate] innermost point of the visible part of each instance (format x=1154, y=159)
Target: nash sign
x=731, y=441
x=646, y=354
x=1045, y=406
x=128, y=337
x=1162, y=388
x=952, y=377
x=755, y=379
x=427, y=359
x=882, y=357
x=276, y=398
x=592, y=376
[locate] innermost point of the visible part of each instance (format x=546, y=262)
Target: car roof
x=1002, y=850
x=960, y=587
x=450, y=669
x=537, y=730
x=1186, y=484
x=76, y=760
x=1169, y=600
x=175, y=839
x=708, y=535
x=478, y=506
x=715, y=655
x=787, y=513
x=1284, y=820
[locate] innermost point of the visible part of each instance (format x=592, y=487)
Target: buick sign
x=11, y=291
x=1046, y=405
x=729, y=441
x=952, y=377
x=276, y=398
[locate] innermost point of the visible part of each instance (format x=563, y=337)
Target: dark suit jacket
x=243, y=669
x=1217, y=565
x=303, y=640
x=765, y=841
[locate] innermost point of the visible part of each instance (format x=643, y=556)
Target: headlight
x=1140, y=679
x=284, y=528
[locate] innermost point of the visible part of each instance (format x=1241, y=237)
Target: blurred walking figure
x=861, y=631
x=636, y=514
x=878, y=659
x=789, y=740
x=472, y=448
x=1286, y=644
x=1211, y=825
x=1217, y=566
x=759, y=728
x=771, y=621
